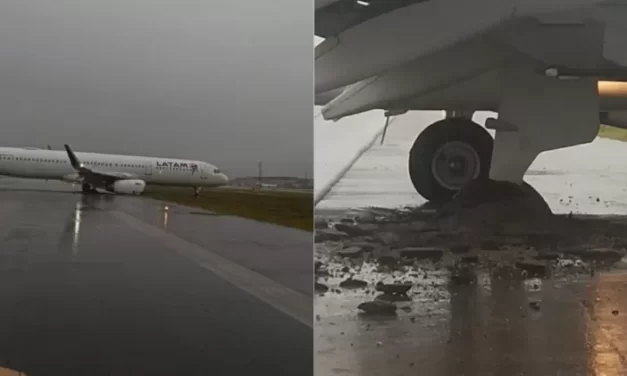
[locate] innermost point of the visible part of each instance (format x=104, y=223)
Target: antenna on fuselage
x=49, y=148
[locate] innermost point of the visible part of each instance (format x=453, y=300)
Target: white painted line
x=284, y=299
x=326, y=189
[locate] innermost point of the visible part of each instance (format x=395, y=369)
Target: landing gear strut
x=86, y=188
x=196, y=192
x=447, y=155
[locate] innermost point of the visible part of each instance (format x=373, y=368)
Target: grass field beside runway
x=613, y=133
x=285, y=208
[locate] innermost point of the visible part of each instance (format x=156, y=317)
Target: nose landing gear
x=196, y=192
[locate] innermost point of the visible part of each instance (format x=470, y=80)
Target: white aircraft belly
x=165, y=176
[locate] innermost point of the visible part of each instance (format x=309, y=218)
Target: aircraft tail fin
x=73, y=159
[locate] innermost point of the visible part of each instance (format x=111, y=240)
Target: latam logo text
x=191, y=166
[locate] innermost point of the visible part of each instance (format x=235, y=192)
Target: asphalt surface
x=573, y=323
x=111, y=285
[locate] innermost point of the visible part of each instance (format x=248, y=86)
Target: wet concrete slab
x=84, y=293
x=490, y=318
x=277, y=252
x=577, y=328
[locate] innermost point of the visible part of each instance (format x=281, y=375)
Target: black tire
x=86, y=188
x=431, y=139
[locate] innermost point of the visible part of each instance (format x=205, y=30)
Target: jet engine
x=127, y=187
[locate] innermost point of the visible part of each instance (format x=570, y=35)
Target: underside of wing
x=334, y=16
x=101, y=178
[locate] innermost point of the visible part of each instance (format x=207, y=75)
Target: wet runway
x=486, y=329
x=574, y=323
x=111, y=285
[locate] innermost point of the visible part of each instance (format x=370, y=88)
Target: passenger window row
x=174, y=168
x=59, y=161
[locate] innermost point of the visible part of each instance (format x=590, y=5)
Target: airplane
x=264, y=185
x=552, y=71
x=120, y=174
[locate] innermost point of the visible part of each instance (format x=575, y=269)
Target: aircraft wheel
x=86, y=188
x=447, y=155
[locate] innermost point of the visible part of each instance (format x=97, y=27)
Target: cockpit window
x=216, y=170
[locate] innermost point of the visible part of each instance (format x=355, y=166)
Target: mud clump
x=356, y=230
x=387, y=260
x=351, y=283
x=600, y=256
x=321, y=223
x=351, y=252
x=422, y=253
x=324, y=235
x=387, y=238
x=469, y=260
x=486, y=202
x=463, y=276
x=321, y=288
x=533, y=268
x=547, y=256
x=393, y=298
x=364, y=245
x=317, y=266
x=378, y=307
x=535, y=305
x=394, y=288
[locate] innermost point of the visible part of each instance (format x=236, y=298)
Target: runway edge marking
x=282, y=298
x=322, y=194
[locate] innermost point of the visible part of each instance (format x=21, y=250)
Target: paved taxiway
x=111, y=285
x=488, y=328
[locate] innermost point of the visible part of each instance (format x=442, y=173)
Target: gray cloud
x=223, y=81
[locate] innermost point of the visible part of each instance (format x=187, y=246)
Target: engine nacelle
x=127, y=187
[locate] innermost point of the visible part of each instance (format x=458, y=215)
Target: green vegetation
x=285, y=208
x=613, y=133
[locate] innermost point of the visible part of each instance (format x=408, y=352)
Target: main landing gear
x=197, y=192
x=454, y=157
x=447, y=155
x=87, y=189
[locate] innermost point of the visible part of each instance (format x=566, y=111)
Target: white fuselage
x=55, y=165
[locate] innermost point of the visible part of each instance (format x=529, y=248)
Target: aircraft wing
x=374, y=36
x=94, y=177
x=334, y=16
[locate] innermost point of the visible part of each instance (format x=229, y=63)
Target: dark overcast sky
x=228, y=82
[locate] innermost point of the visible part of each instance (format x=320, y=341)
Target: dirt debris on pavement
x=394, y=288
x=351, y=283
x=417, y=249
x=378, y=307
